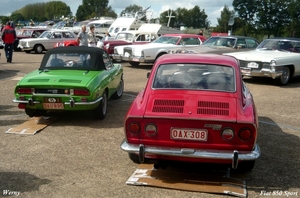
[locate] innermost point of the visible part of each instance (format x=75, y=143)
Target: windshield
x=46, y=34
x=167, y=40
x=125, y=36
x=279, y=44
x=220, y=41
x=195, y=76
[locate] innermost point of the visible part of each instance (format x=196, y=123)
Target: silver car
x=46, y=40
x=276, y=58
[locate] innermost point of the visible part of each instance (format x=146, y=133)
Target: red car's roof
x=203, y=58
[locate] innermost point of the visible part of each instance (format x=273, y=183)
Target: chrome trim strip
x=25, y=101
x=66, y=103
x=181, y=152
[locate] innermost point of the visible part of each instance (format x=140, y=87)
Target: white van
x=124, y=24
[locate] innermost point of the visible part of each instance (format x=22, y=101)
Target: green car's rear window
x=69, y=61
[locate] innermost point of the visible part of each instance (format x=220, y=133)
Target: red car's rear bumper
x=220, y=155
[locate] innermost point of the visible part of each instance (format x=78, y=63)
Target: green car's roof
x=93, y=55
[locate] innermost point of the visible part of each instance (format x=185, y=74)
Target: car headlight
x=273, y=63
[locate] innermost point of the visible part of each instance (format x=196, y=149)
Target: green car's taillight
x=80, y=92
x=25, y=90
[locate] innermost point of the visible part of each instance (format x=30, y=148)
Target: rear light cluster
x=244, y=134
x=25, y=90
x=80, y=92
x=135, y=128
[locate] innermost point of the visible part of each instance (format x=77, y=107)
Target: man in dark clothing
x=8, y=37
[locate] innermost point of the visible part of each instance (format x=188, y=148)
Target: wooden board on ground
x=146, y=175
x=32, y=126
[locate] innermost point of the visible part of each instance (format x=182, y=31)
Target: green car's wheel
x=119, y=92
x=29, y=112
x=100, y=111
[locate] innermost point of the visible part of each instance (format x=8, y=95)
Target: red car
x=66, y=43
x=194, y=108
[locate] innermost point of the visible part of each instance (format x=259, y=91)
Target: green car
x=76, y=78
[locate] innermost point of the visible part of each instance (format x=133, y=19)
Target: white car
x=148, y=53
x=46, y=40
x=276, y=58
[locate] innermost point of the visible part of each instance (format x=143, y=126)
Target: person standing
x=82, y=38
x=107, y=35
x=9, y=36
x=200, y=32
x=92, y=40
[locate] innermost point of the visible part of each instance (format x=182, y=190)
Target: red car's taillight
x=151, y=130
x=245, y=134
x=81, y=92
x=25, y=90
x=227, y=134
x=134, y=128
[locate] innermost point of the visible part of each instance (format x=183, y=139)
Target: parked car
x=27, y=33
x=75, y=78
x=220, y=45
x=46, y=40
x=66, y=43
x=128, y=38
x=148, y=53
x=194, y=108
x=276, y=58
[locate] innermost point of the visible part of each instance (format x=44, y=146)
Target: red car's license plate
x=189, y=134
x=53, y=105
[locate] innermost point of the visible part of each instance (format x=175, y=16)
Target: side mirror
x=148, y=74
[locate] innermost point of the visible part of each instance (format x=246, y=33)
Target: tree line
x=256, y=18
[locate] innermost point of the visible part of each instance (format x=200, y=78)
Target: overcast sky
x=212, y=8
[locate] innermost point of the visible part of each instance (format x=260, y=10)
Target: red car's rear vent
x=213, y=108
x=168, y=106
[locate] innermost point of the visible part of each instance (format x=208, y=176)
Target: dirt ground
x=77, y=156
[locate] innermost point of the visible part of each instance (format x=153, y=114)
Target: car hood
x=260, y=55
x=205, y=49
x=192, y=105
x=75, y=78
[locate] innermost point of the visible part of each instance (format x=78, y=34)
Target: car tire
x=134, y=157
x=38, y=49
x=30, y=112
x=285, y=77
x=246, y=166
x=134, y=64
x=101, y=110
x=120, y=89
